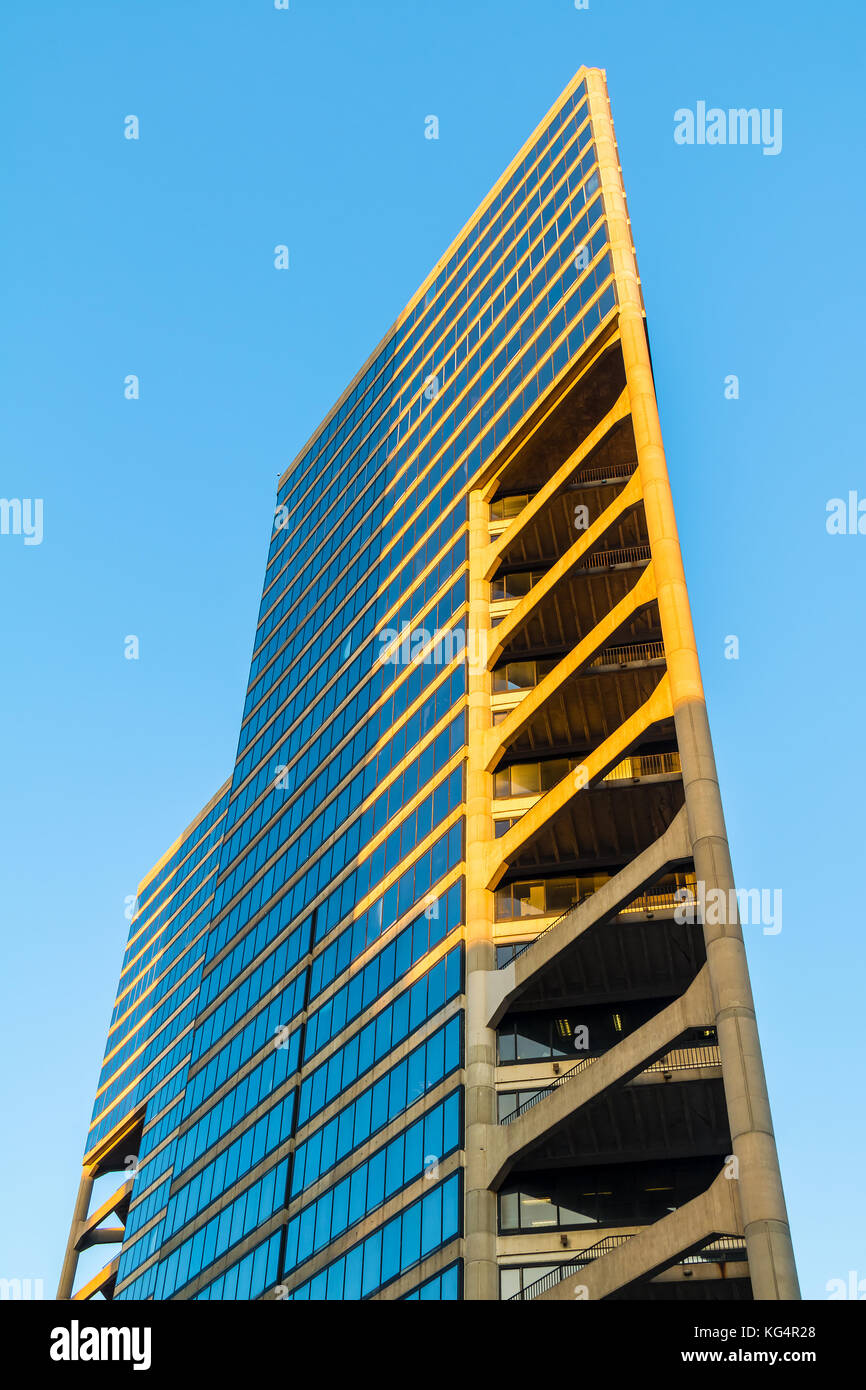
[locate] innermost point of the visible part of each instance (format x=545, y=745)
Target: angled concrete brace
x=657, y=707
x=492, y=474
x=92, y=1232
x=524, y=609
x=507, y=984
x=103, y=1282
x=498, y=738
x=715, y=1212
x=693, y=1009
x=494, y=551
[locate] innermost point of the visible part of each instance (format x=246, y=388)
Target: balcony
x=632, y=654
x=589, y=408
x=621, y=557
x=718, y=1250
x=523, y=783
x=667, y=899
x=551, y=897
x=516, y=677
x=585, y=574
x=595, y=477
x=679, y=1059
x=644, y=765
x=603, y=1098
x=704, y=1232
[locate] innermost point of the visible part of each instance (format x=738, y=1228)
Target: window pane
x=536, y=1211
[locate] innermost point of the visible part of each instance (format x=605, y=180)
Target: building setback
x=422, y=1005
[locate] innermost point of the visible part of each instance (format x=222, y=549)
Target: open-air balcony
x=602, y=1103
x=703, y=1238
x=719, y=1258
x=518, y=786
x=587, y=411
x=585, y=572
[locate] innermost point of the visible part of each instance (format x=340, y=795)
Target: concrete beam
x=79, y=1217
x=715, y=1212
x=501, y=735
x=103, y=1283
x=524, y=609
x=657, y=707
x=118, y=1202
x=101, y=1235
x=589, y=1079
x=559, y=479
x=507, y=984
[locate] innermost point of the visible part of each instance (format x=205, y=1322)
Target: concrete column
x=768, y=1240
x=481, y=1275
x=79, y=1216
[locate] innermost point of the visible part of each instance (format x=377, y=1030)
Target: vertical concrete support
x=768, y=1239
x=481, y=1278
x=79, y=1216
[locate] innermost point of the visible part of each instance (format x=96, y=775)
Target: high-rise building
x=429, y=1002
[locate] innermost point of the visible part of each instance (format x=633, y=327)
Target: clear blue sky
x=155, y=257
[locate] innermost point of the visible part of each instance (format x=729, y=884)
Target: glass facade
x=307, y=930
